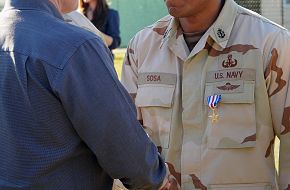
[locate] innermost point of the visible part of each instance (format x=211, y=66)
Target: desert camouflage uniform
x=243, y=57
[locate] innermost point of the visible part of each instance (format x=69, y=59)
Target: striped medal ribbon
x=212, y=102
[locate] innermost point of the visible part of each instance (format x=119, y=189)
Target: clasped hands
x=170, y=183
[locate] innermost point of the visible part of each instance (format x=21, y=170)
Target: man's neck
x=64, y=7
x=203, y=20
x=57, y=4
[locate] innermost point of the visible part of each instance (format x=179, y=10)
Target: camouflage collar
x=221, y=29
x=219, y=32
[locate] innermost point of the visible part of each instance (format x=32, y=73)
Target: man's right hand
x=171, y=184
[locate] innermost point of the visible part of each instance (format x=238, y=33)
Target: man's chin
x=173, y=12
x=175, y=15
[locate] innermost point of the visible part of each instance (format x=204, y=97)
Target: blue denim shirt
x=66, y=123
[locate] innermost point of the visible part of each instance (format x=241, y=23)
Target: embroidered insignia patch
x=230, y=62
x=228, y=86
x=221, y=33
x=157, y=78
x=231, y=75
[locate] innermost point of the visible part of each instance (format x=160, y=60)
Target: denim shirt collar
x=40, y=5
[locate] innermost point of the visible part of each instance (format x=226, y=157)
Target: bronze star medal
x=212, y=103
x=214, y=116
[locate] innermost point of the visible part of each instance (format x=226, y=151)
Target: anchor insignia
x=221, y=33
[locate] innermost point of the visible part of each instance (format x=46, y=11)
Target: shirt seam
x=36, y=10
x=66, y=61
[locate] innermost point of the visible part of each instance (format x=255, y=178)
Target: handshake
x=170, y=182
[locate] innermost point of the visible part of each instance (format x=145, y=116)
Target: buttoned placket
x=192, y=69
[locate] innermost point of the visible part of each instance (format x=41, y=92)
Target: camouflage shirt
x=243, y=57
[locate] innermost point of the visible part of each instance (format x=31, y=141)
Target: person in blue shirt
x=104, y=18
x=66, y=122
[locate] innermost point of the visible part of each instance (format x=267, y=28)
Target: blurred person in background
x=104, y=18
x=78, y=19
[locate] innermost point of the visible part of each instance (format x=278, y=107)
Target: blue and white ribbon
x=213, y=100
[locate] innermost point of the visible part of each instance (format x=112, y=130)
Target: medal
x=212, y=102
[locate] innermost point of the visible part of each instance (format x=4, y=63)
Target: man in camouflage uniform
x=202, y=49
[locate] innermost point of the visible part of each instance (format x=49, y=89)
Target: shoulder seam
x=261, y=18
x=66, y=60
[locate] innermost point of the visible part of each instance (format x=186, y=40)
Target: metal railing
x=254, y=5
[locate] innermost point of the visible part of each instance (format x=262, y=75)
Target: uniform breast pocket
x=155, y=102
x=236, y=124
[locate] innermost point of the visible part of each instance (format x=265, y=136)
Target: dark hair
x=99, y=14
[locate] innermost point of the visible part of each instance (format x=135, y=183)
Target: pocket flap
x=154, y=95
x=245, y=96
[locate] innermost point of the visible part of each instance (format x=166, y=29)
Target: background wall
x=136, y=14
x=286, y=12
x=2, y=3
